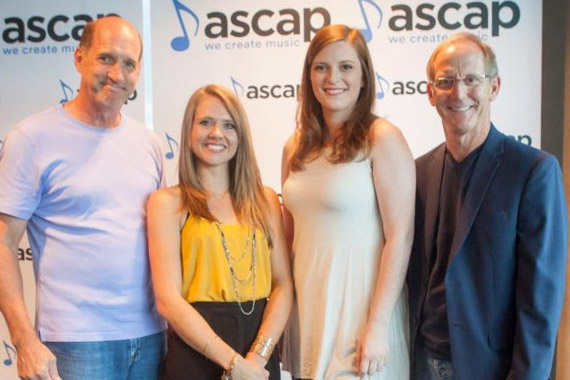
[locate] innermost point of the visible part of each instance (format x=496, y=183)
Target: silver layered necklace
x=252, y=267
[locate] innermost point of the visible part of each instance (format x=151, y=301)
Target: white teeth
x=215, y=147
x=334, y=91
x=460, y=109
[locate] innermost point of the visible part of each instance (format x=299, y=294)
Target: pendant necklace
x=252, y=267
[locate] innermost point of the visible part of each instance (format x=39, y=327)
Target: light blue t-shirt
x=83, y=191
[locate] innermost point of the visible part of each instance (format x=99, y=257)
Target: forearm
x=12, y=297
x=391, y=278
x=276, y=312
x=274, y=320
x=195, y=331
x=281, y=298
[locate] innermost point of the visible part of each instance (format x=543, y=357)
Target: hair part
x=490, y=60
x=90, y=28
x=246, y=189
x=354, y=136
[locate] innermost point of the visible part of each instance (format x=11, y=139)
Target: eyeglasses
x=468, y=81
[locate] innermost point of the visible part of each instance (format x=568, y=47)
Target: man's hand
x=36, y=361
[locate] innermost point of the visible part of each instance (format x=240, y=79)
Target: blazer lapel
x=433, y=188
x=487, y=164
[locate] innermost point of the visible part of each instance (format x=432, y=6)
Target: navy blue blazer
x=505, y=280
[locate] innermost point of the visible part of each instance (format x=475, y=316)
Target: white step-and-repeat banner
x=256, y=48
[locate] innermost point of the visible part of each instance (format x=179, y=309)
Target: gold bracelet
x=208, y=344
x=262, y=346
x=227, y=375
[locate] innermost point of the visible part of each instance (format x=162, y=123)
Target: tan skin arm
x=394, y=180
x=281, y=297
x=288, y=223
x=35, y=360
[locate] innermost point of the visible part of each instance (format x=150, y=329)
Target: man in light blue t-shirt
x=77, y=178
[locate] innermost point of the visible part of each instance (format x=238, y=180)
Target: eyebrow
x=348, y=60
x=213, y=118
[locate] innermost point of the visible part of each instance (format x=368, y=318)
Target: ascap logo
x=173, y=147
x=261, y=23
x=455, y=15
x=36, y=29
x=409, y=87
x=383, y=86
x=284, y=22
x=67, y=91
x=265, y=91
x=10, y=354
x=367, y=32
x=182, y=42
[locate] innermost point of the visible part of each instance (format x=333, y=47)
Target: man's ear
x=430, y=90
x=78, y=57
x=495, y=87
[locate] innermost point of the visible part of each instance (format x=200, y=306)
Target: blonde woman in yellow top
x=219, y=261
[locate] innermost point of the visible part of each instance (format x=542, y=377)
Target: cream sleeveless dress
x=336, y=257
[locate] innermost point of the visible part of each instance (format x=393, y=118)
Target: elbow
x=288, y=291
x=283, y=290
x=162, y=309
x=164, y=306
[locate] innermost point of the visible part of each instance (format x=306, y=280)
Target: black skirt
x=236, y=329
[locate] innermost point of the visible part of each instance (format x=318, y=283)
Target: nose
x=332, y=74
x=459, y=89
x=115, y=73
x=215, y=131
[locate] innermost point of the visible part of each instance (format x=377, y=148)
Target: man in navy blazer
x=487, y=271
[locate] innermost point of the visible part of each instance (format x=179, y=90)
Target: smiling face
x=336, y=79
x=213, y=137
x=110, y=66
x=465, y=111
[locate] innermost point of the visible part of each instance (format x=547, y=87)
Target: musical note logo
x=182, y=42
x=383, y=86
x=172, y=144
x=238, y=87
x=67, y=92
x=367, y=32
x=8, y=361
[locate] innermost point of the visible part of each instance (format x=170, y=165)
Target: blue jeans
x=430, y=368
x=139, y=358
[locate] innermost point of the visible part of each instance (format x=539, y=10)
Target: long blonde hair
x=246, y=189
x=354, y=136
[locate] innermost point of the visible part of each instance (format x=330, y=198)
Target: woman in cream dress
x=348, y=191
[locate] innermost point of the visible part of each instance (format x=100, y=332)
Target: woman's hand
x=249, y=369
x=372, y=349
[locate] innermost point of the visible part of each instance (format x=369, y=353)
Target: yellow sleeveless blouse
x=206, y=272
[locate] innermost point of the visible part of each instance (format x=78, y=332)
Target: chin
x=114, y=102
